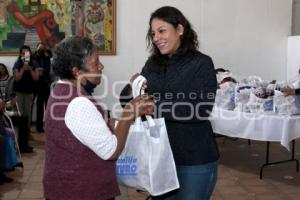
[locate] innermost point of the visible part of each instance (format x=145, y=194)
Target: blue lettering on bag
x=126, y=166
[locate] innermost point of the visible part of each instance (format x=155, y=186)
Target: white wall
x=293, y=58
x=247, y=36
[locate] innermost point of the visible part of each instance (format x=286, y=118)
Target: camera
x=27, y=56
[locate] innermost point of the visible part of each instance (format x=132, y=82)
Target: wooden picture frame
x=30, y=22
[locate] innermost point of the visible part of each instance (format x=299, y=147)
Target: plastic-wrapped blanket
x=241, y=98
x=225, y=96
x=286, y=105
x=261, y=99
x=257, y=104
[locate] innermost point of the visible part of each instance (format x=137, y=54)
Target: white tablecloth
x=256, y=126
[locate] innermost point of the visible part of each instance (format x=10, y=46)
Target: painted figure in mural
x=56, y=7
x=44, y=24
x=3, y=12
x=62, y=10
x=93, y=24
x=77, y=18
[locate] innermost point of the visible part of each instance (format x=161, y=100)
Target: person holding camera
x=26, y=72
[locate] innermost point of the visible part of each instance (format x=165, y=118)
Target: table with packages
x=268, y=127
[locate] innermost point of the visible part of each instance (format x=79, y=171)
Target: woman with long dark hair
x=185, y=82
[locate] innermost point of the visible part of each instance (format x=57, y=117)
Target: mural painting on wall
x=49, y=21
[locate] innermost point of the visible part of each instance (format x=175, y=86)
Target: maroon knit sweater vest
x=72, y=171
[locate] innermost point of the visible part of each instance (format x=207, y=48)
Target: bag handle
x=137, y=90
x=137, y=85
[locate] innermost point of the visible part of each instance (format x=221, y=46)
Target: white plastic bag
x=147, y=161
x=225, y=96
x=258, y=105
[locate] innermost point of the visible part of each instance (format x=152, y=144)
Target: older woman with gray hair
x=81, y=146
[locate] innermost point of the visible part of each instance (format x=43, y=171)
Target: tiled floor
x=238, y=174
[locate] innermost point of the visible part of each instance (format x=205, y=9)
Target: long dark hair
x=171, y=15
x=24, y=47
x=20, y=53
x=5, y=68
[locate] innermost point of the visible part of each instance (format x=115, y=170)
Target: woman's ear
x=180, y=29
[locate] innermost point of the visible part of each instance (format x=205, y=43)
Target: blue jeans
x=197, y=182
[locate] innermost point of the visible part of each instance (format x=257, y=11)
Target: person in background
x=175, y=67
x=26, y=72
x=3, y=149
x=5, y=80
x=43, y=57
x=11, y=160
x=287, y=91
x=290, y=91
x=3, y=177
x=218, y=70
x=81, y=146
x=21, y=122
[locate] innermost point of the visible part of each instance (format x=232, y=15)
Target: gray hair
x=71, y=52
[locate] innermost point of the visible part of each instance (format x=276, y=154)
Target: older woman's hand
x=144, y=105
